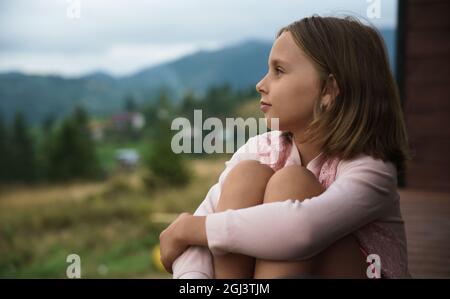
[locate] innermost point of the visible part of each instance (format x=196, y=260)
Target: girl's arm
x=196, y=261
x=293, y=230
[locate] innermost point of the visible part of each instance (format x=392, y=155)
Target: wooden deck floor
x=427, y=220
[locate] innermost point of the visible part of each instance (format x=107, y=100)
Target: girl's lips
x=264, y=107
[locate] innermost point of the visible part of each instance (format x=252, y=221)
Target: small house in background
x=117, y=123
x=134, y=120
x=127, y=158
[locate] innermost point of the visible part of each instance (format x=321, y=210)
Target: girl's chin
x=272, y=122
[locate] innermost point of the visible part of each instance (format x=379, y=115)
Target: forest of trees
x=61, y=150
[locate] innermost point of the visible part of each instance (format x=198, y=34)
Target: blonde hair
x=366, y=116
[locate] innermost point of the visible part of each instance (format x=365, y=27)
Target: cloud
x=117, y=36
x=118, y=60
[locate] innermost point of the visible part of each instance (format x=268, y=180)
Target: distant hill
x=241, y=65
x=40, y=96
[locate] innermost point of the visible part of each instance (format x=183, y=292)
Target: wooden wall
x=424, y=57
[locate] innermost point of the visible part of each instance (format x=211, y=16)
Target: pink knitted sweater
x=361, y=198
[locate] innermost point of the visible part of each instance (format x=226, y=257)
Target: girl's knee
x=292, y=182
x=244, y=185
x=250, y=171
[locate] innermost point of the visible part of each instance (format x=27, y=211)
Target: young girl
x=319, y=196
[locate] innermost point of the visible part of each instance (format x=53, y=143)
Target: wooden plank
x=431, y=126
x=427, y=70
x=428, y=15
x=436, y=150
x=427, y=223
x=428, y=178
x=434, y=44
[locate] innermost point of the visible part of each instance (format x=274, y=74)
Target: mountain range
x=38, y=96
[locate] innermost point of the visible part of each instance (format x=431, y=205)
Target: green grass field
x=110, y=224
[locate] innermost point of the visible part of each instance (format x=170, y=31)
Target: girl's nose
x=259, y=87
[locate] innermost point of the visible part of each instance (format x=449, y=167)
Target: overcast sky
x=121, y=37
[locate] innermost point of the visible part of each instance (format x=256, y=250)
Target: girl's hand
x=173, y=242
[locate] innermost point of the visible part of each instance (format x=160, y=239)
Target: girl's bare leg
x=290, y=182
x=341, y=259
x=243, y=187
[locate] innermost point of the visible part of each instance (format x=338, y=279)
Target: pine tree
x=44, y=147
x=130, y=104
x=163, y=163
x=4, y=152
x=22, y=151
x=188, y=105
x=72, y=151
x=166, y=166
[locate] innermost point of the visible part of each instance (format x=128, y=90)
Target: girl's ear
x=330, y=91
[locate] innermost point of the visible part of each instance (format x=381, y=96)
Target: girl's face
x=291, y=86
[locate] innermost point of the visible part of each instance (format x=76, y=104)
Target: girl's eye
x=279, y=71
